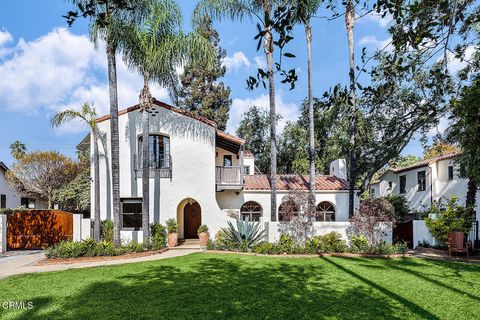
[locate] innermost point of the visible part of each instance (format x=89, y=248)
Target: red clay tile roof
x=166, y=106
x=294, y=182
x=426, y=162
x=248, y=153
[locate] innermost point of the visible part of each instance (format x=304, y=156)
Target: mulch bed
x=99, y=258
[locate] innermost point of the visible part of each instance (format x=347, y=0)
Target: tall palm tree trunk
x=349, y=23
x=96, y=177
x=145, y=102
x=311, y=137
x=273, y=124
x=115, y=153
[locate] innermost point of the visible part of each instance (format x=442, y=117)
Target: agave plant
x=246, y=235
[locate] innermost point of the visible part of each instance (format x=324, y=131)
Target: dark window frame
x=122, y=214
x=402, y=184
x=157, y=161
x=3, y=201
x=422, y=180
x=321, y=213
x=251, y=210
x=229, y=158
x=451, y=174
x=296, y=210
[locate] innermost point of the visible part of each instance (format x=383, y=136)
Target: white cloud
x=5, y=37
x=374, y=42
x=377, y=18
x=454, y=64
x=288, y=111
x=62, y=70
x=236, y=61
x=260, y=62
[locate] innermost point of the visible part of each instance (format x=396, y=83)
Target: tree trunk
x=96, y=177
x=273, y=125
x=349, y=23
x=308, y=33
x=145, y=103
x=471, y=195
x=114, y=141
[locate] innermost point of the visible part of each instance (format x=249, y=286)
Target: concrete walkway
x=27, y=263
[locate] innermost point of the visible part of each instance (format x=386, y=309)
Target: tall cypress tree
x=201, y=93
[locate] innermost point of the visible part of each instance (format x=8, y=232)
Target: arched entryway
x=192, y=219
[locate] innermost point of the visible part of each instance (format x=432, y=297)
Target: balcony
x=229, y=178
x=158, y=167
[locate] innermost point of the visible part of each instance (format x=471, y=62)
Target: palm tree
x=106, y=20
x=263, y=12
x=88, y=116
x=304, y=10
x=154, y=49
x=349, y=23
x=18, y=149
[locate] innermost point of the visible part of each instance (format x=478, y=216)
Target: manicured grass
x=227, y=286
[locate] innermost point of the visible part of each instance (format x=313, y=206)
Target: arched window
x=251, y=211
x=287, y=210
x=159, y=151
x=325, y=212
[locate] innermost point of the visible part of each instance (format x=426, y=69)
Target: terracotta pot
x=172, y=239
x=203, y=239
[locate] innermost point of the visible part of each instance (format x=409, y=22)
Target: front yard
x=226, y=286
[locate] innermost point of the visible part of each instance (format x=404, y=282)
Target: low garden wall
x=421, y=233
x=3, y=233
x=322, y=228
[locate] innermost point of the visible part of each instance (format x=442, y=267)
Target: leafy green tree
x=450, y=217
x=440, y=148
x=107, y=18
x=18, y=149
x=254, y=128
x=74, y=196
x=465, y=131
x=39, y=174
x=200, y=91
x=88, y=116
x=154, y=48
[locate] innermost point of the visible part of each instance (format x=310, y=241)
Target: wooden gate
x=403, y=231
x=35, y=229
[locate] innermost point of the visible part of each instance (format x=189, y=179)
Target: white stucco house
x=201, y=175
x=425, y=182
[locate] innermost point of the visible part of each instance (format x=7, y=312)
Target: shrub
x=313, y=244
x=400, y=247
x=158, y=235
x=359, y=243
x=451, y=217
x=332, y=242
x=222, y=241
x=89, y=247
x=382, y=248
x=401, y=208
x=202, y=228
x=106, y=248
x=106, y=230
x=172, y=225
x=265, y=248
x=134, y=246
x=424, y=243
x=246, y=235
x=286, y=244
x=65, y=249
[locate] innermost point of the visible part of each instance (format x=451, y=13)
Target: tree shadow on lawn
x=215, y=288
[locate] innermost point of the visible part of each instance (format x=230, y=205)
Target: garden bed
x=313, y=255
x=129, y=255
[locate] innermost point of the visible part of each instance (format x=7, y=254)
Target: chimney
x=338, y=168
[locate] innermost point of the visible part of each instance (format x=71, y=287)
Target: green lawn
x=227, y=286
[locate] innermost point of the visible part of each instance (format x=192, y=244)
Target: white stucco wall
x=421, y=233
x=13, y=199
x=3, y=233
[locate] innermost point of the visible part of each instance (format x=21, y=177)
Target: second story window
x=227, y=160
x=159, y=151
x=390, y=185
x=450, y=172
x=246, y=169
x=403, y=183
x=422, y=181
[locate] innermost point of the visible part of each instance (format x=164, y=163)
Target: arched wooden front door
x=192, y=219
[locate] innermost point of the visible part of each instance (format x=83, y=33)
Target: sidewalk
x=27, y=263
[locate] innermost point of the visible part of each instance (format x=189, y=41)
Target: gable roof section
x=423, y=163
x=294, y=182
x=3, y=166
x=166, y=106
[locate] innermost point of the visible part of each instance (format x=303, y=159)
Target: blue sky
x=46, y=66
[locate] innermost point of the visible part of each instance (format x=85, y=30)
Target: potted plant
x=203, y=235
x=172, y=228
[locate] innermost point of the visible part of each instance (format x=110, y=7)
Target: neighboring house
x=200, y=175
x=10, y=199
x=425, y=182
